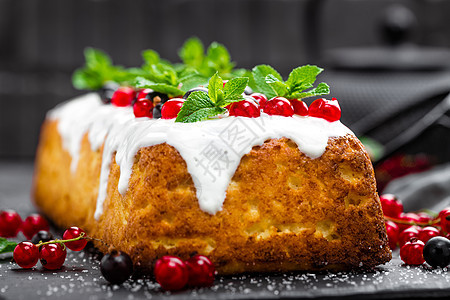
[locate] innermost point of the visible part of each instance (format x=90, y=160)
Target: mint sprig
x=200, y=105
x=268, y=81
x=6, y=246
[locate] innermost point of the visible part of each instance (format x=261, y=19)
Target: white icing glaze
x=212, y=149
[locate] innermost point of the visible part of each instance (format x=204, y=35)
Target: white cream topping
x=212, y=149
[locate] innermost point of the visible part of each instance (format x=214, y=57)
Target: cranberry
x=26, y=255
x=411, y=218
x=325, y=109
x=72, y=233
x=392, y=233
x=201, y=271
x=33, y=224
x=143, y=108
x=445, y=223
x=171, y=273
x=412, y=252
x=245, y=108
x=427, y=233
x=123, y=96
x=300, y=107
x=116, y=267
x=171, y=108
x=407, y=234
x=10, y=223
x=262, y=99
x=279, y=106
x=52, y=256
x=392, y=207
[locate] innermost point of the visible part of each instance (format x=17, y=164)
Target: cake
x=264, y=194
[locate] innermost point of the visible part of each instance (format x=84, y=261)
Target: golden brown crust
x=283, y=211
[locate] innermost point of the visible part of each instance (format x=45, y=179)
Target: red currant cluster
x=174, y=274
x=417, y=234
x=11, y=224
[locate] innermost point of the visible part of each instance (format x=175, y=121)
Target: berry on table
x=392, y=233
x=123, y=96
x=392, y=207
x=325, y=109
x=424, y=217
x=412, y=252
x=72, y=233
x=407, y=234
x=437, y=252
x=279, y=106
x=171, y=273
x=52, y=256
x=201, y=271
x=411, y=218
x=445, y=223
x=300, y=107
x=143, y=108
x=10, y=223
x=42, y=236
x=26, y=255
x=171, y=108
x=116, y=267
x=428, y=232
x=33, y=224
x=245, y=108
x=261, y=98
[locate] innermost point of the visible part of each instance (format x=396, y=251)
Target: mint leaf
x=321, y=89
x=197, y=107
x=260, y=73
x=277, y=85
x=192, y=80
x=215, y=88
x=219, y=58
x=97, y=59
x=234, y=88
x=150, y=57
x=192, y=52
x=141, y=82
x=6, y=246
x=305, y=75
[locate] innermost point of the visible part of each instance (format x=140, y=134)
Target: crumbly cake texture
x=283, y=211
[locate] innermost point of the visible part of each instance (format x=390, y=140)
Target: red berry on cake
x=325, y=109
x=123, y=96
x=52, y=256
x=143, y=108
x=10, y=223
x=201, y=271
x=300, y=107
x=262, y=99
x=245, y=108
x=279, y=106
x=392, y=207
x=428, y=232
x=72, y=233
x=392, y=231
x=26, y=255
x=412, y=252
x=33, y=224
x=171, y=108
x=171, y=273
x=144, y=93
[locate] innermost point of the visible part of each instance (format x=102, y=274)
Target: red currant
x=392, y=207
x=279, y=106
x=123, y=96
x=262, y=99
x=407, y=234
x=33, y=224
x=412, y=252
x=424, y=217
x=392, y=233
x=72, y=233
x=325, y=109
x=144, y=93
x=245, y=108
x=171, y=273
x=408, y=217
x=427, y=233
x=52, y=256
x=10, y=223
x=143, y=108
x=445, y=223
x=201, y=271
x=26, y=255
x=300, y=107
x=171, y=108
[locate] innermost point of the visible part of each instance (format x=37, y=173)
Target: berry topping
x=412, y=252
x=279, y=106
x=171, y=108
x=10, y=223
x=248, y=90
x=72, y=233
x=143, y=108
x=123, y=96
x=107, y=91
x=26, y=255
x=145, y=94
x=300, y=107
x=437, y=252
x=245, y=108
x=262, y=99
x=201, y=271
x=42, y=236
x=52, y=256
x=201, y=89
x=171, y=273
x=428, y=232
x=33, y=224
x=325, y=109
x=407, y=234
x=392, y=233
x=116, y=267
x=444, y=215
x=392, y=207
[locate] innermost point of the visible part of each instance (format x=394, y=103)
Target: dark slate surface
x=81, y=279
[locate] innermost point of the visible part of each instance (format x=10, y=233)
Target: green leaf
x=86, y=79
x=150, y=57
x=219, y=58
x=260, y=73
x=197, y=107
x=96, y=59
x=215, y=88
x=144, y=83
x=302, y=78
x=234, y=88
x=6, y=246
x=192, y=52
x=321, y=89
x=191, y=81
x=280, y=88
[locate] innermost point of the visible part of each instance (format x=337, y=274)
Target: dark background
x=380, y=56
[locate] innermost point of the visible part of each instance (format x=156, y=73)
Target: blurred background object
x=387, y=61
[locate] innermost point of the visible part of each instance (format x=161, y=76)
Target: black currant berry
x=201, y=89
x=107, y=91
x=43, y=236
x=153, y=97
x=116, y=267
x=437, y=252
x=248, y=90
x=157, y=111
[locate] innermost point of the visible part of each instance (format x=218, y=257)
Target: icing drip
x=212, y=149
